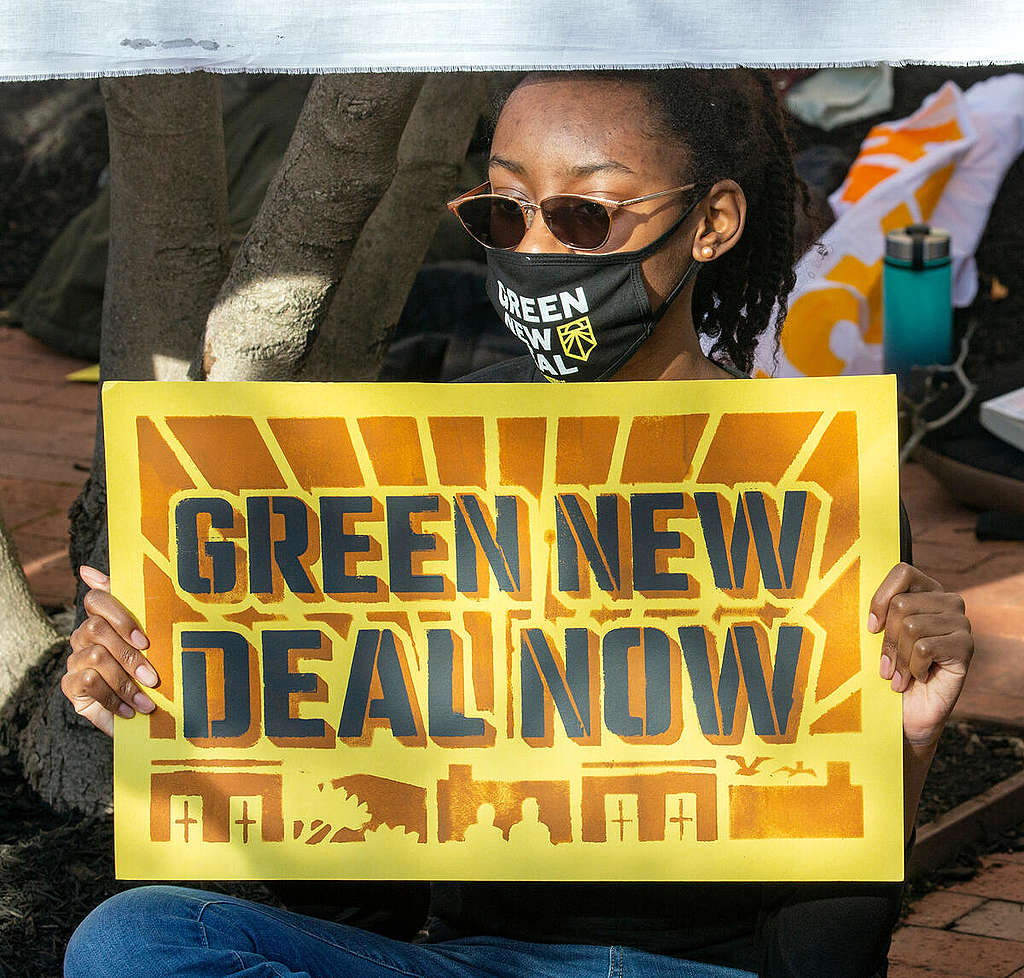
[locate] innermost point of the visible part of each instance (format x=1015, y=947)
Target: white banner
x=85, y=38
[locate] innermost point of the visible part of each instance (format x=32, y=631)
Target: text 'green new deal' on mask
x=581, y=316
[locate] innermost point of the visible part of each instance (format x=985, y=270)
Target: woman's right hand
x=106, y=665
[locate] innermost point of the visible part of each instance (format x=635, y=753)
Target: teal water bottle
x=917, y=299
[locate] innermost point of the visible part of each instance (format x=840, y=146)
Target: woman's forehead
x=577, y=124
x=575, y=101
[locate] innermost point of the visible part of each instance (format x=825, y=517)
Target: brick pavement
x=46, y=434
x=990, y=576
x=972, y=930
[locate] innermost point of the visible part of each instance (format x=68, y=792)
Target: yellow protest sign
x=571, y=632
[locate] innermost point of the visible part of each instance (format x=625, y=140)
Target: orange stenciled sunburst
x=456, y=447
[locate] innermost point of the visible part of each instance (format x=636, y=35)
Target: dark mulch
x=971, y=758
x=55, y=868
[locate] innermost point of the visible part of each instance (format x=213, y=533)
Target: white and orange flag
x=942, y=165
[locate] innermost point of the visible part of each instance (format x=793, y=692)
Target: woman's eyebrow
x=579, y=170
x=509, y=165
x=599, y=166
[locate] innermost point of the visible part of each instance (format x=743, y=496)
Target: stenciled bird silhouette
x=793, y=771
x=742, y=767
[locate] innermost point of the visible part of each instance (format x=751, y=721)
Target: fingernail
x=885, y=666
x=897, y=681
x=143, y=703
x=124, y=710
x=138, y=639
x=145, y=675
x=872, y=622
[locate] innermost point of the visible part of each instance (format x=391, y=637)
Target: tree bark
x=338, y=164
x=32, y=722
x=27, y=634
x=169, y=232
x=169, y=241
x=362, y=315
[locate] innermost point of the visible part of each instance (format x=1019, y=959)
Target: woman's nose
x=539, y=240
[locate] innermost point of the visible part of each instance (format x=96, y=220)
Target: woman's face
x=590, y=137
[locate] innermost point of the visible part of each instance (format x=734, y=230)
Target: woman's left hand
x=926, y=649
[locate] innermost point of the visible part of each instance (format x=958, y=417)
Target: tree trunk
x=338, y=164
x=166, y=263
x=169, y=231
x=169, y=241
x=27, y=635
x=32, y=657
x=362, y=316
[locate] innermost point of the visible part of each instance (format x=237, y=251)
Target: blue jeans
x=155, y=931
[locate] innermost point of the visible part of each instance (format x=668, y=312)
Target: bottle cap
x=917, y=244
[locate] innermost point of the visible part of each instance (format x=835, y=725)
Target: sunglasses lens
x=577, y=223
x=493, y=221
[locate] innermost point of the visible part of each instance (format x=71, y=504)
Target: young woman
x=669, y=198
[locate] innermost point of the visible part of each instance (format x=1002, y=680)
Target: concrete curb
x=977, y=819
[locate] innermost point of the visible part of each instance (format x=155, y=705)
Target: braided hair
x=730, y=125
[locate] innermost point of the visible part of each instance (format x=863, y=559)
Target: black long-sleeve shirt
x=778, y=930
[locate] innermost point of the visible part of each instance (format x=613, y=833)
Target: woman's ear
x=722, y=220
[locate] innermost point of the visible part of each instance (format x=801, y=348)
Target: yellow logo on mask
x=577, y=338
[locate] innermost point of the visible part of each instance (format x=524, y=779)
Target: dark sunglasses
x=578, y=221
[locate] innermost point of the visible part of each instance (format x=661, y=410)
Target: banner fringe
x=587, y=66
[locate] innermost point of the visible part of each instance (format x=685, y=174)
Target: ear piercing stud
x=707, y=251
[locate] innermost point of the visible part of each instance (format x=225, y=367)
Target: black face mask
x=580, y=316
